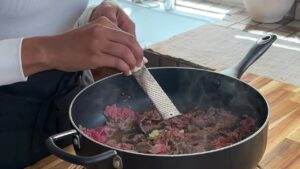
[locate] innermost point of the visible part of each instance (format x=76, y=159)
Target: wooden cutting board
x=283, y=147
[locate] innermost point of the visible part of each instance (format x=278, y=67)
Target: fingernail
x=129, y=73
x=135, y=69
x=145, y=60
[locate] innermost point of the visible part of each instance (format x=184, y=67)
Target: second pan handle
x=259, y=48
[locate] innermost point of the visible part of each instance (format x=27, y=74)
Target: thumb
x=112, y=17
x=104, y=21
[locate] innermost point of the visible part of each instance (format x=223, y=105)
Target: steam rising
x=187, y=88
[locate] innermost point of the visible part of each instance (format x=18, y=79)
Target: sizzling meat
x=193, y=132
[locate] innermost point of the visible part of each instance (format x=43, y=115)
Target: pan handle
x=259, y=48
x=75, y=159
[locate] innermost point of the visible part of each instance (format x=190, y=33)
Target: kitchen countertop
x=283, y=147
x=218, y=47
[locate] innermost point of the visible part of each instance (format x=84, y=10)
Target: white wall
x=294, y=12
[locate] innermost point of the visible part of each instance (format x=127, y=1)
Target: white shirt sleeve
x=11, y=70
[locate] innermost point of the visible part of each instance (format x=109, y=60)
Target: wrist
x=35, y=55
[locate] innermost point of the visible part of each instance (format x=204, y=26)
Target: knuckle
x=138, y=50
x=104, y=20
x=131, y=39
x=96, y=30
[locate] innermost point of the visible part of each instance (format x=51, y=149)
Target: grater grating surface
x=159, y=98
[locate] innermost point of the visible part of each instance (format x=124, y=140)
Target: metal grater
x=159, y=98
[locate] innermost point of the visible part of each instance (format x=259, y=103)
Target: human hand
x=115, y=14
x=97, y=44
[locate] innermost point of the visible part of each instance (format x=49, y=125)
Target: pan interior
x=187, y=88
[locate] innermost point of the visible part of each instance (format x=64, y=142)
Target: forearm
x=20, y=58
x=35, y=56
x=98, y=44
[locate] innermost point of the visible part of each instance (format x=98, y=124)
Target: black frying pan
x=187, y=87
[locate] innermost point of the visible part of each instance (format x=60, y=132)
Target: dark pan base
x=244, y=156
x=187, y=88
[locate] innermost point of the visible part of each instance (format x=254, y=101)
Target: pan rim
x=262, y=127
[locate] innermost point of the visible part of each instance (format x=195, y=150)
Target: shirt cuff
x=11, y=70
